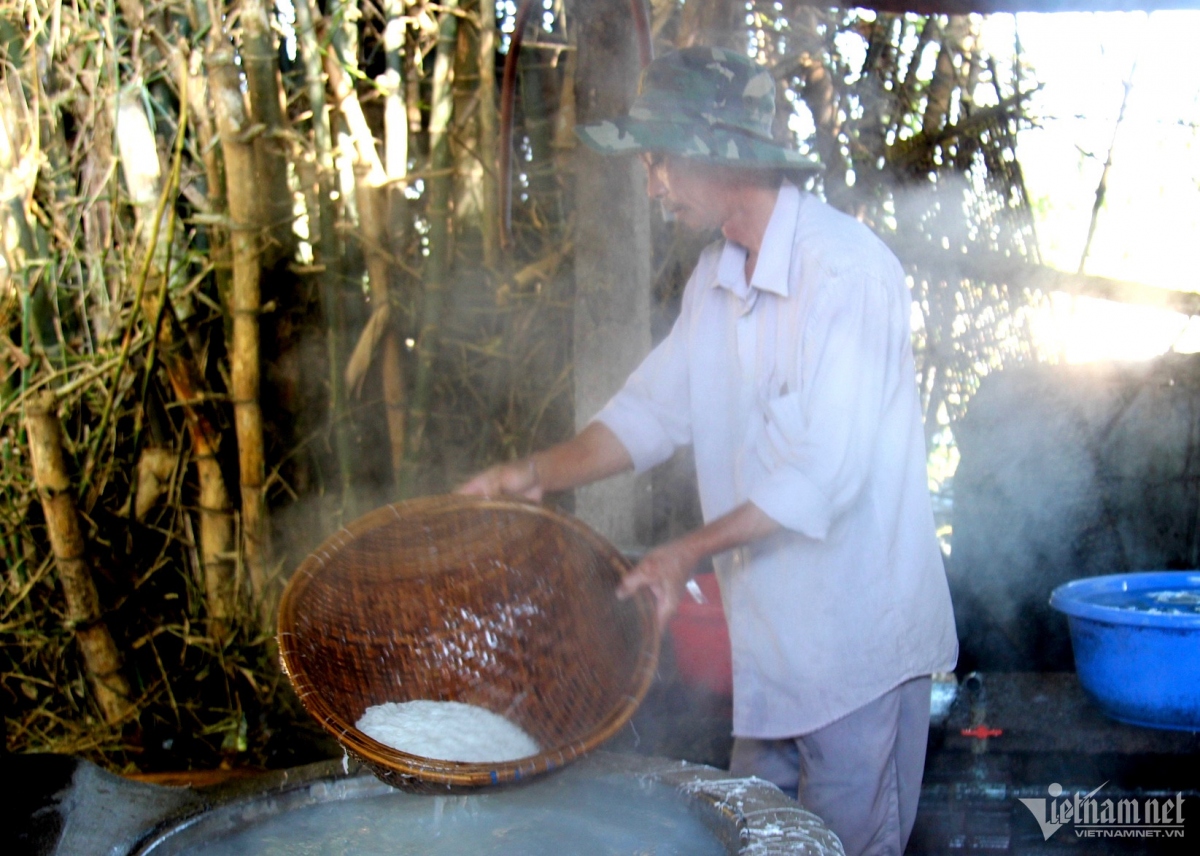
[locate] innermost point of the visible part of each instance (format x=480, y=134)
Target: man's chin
x=689, y=221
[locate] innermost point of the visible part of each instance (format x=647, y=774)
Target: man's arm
x=592, y=454
x=596, y=453
x=665, y=570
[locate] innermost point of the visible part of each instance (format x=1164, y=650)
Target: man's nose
x=655, y=187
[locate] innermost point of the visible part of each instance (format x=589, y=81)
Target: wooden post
x=612, y=254
x=101, y=660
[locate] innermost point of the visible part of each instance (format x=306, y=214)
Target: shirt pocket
x=782, y=431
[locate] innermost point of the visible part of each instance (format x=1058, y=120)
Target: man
x=790, y=373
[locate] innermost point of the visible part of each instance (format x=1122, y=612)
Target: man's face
x=693, y=194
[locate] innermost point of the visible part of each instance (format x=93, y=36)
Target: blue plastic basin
x=1137, y=644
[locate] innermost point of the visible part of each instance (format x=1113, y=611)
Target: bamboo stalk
x=508, y=98
x=139, y=158
x=102, y=661
x=217, y=553
x=906, y=92
x=940, y=91
x=344, y=16
x=327, y=250
x=396, y=139
x=89, y=491
x=214, y=170
x=564, y=116
x=244, y=306
x=440, y=234
x=469, y=164
x=372, y=210
x=538, y=101
x=24, y=244
x=97, y=221
x=391, y=82
x=413, y=73
x=489, y=136
x=360, y=132
x=260, y=59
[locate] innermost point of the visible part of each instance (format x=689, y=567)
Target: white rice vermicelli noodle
x=447, y=731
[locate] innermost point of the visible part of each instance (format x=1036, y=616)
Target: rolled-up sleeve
x=651, y=415
x=817, y=441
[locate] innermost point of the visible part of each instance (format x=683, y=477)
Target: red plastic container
x=701, y=639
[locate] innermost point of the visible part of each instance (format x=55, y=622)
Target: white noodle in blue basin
x=1155, y=602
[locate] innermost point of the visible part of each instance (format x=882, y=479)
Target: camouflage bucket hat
x=704, y=103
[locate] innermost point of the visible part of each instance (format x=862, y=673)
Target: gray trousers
x=861, y=774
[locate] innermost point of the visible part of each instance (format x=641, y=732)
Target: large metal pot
x=98, y=813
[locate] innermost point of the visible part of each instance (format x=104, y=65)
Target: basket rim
x=458, y=774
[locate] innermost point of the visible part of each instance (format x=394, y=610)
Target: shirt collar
x=774, y=255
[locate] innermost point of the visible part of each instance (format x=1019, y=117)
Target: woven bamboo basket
x=498, y=603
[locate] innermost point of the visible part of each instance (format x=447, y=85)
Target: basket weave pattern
x=497, y=603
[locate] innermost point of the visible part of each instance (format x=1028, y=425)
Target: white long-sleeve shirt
x=797, y=392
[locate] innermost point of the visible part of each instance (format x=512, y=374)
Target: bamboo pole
x=217, y=551
x=396, y=153
x=489, y=136
x=260, y=59
x=508, y=99
x=469, y=164
x=244, y=306
x=940, y=91
x=214, y=171
x=24, y=244
x=391, y=83
x=138, y=152
x=321, y=210
x=413, y=74
x=440, y=235
x=102, y=662
x=356, y=121
x=906, y=93
x=372, y=211
x=539, y=98
x=344, y=16
x=97, y=221
x=90, y=487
